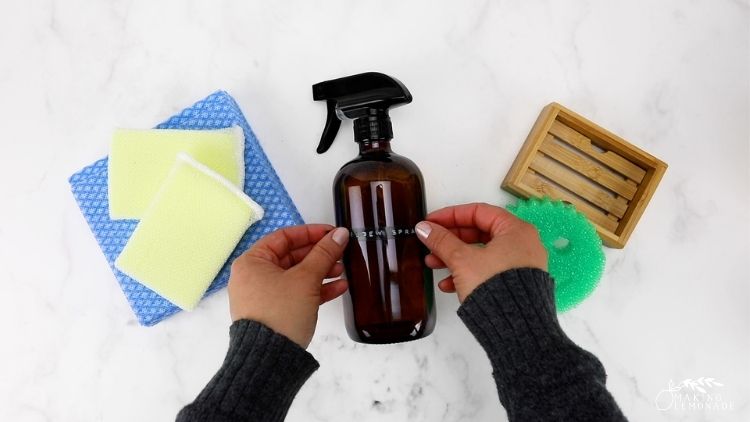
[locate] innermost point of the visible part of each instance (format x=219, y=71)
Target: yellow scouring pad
x=187, y=232
x=140, y=160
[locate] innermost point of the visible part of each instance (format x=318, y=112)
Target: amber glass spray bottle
x=379, y=197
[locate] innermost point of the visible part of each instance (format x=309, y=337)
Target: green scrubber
x=576, y=258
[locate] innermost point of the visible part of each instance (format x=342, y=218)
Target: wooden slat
x=606, y=139
x=643, y=196
x=542, y=187
x=531, y=146
x=590, y=169
x=608, y=158
x=579, y=185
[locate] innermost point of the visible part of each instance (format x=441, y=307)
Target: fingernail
x=423, y=229
x=340, y=235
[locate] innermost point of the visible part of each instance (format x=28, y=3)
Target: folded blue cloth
x=89, y=186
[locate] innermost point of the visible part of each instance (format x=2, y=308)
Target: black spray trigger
x=364, y=98
x=331, y=128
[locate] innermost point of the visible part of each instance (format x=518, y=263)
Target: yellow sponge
x=187, y=232
x=140, y=160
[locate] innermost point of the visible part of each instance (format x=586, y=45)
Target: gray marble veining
x=670, y=76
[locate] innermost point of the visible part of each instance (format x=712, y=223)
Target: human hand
x=278, y=282
x=508, y=243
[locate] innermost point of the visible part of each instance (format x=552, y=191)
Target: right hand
x=450, y=233
x=279, y=281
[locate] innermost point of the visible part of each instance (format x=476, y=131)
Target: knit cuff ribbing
x=260, y=376
x=539, y=372
x=513, y=316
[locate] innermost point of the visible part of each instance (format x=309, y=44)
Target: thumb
x=325, y=253
x=440, y=241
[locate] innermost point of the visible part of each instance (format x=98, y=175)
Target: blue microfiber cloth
x=89, y=186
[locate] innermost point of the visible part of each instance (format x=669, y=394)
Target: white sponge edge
x=239, y=139
x=258, y=211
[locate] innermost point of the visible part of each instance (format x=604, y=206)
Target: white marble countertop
x=670, y=76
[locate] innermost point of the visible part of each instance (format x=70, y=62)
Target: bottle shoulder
x=377, y=164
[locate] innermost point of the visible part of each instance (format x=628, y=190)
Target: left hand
x=279, y=281
x=450, y=233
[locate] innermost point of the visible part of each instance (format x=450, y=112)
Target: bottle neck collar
x=374, y=145
x=374, y=125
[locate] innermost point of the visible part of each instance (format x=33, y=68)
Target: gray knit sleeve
x=260, y=376
x=541, y=375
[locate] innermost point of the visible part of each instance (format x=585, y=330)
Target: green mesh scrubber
x=576, y=258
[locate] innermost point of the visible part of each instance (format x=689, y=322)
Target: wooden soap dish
x=570, y=158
